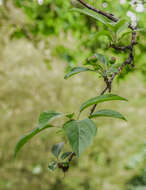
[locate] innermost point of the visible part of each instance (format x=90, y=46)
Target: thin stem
x=71, y=157
x=78, y=116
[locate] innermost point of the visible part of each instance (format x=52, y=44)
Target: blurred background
x=40, y=40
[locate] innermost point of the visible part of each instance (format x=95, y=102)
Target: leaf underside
x=56, y=149
x=46, y=117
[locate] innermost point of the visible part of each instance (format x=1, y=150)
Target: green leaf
x=70, y=116
x=122, y=28
x=99, y=99
x=24, y=139
x=101, y=58
x=113, y=70
x=65, y=155
x=56, y=149
x=97, y=67
x=76, y=70
x=124, y=35
x=80, y=134
x=94, y=15
x=105, y=33
x=46, y=117
x=107, y=113
x=52, y=165
x=120, y=25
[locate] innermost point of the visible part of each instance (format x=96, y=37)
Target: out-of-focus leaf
x=65, y=155
x=101, y=58
x=113, y=70
x=94, y=15
x=93, y=61
x=56, y=149
x=122, y=28
x=70, y=116
x=124, y=35
x=105, y=33
x=120, y=24
x=52, y=165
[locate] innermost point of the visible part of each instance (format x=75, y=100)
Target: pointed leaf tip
x=76, y=70
x=24, y=139
x=46, y=117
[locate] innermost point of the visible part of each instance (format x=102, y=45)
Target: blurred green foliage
x=54, y=17
x=137, y=182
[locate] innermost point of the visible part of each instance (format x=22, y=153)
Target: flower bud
x=112, y=60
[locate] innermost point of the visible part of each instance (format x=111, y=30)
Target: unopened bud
x=112, y=60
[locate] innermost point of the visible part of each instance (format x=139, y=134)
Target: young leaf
x=93, y=62
x=46, y=117
x=120, y=24
x=124, y=35
x=76, y=70
x=107, y=113
x=56, y=149
x=80, y=134
x=24, y=139
x=70, y=116
x=105, y=33
x=93, y=15
x=52, y=165
x=122, y=28
x=99, y=99
x=113, y=70
x=65, y=155
x=101, y=58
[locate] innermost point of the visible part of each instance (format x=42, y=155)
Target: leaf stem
x=78, y=115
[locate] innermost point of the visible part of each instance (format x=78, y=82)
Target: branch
x=107, y=15
x=119, y=48
x=128, y=61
